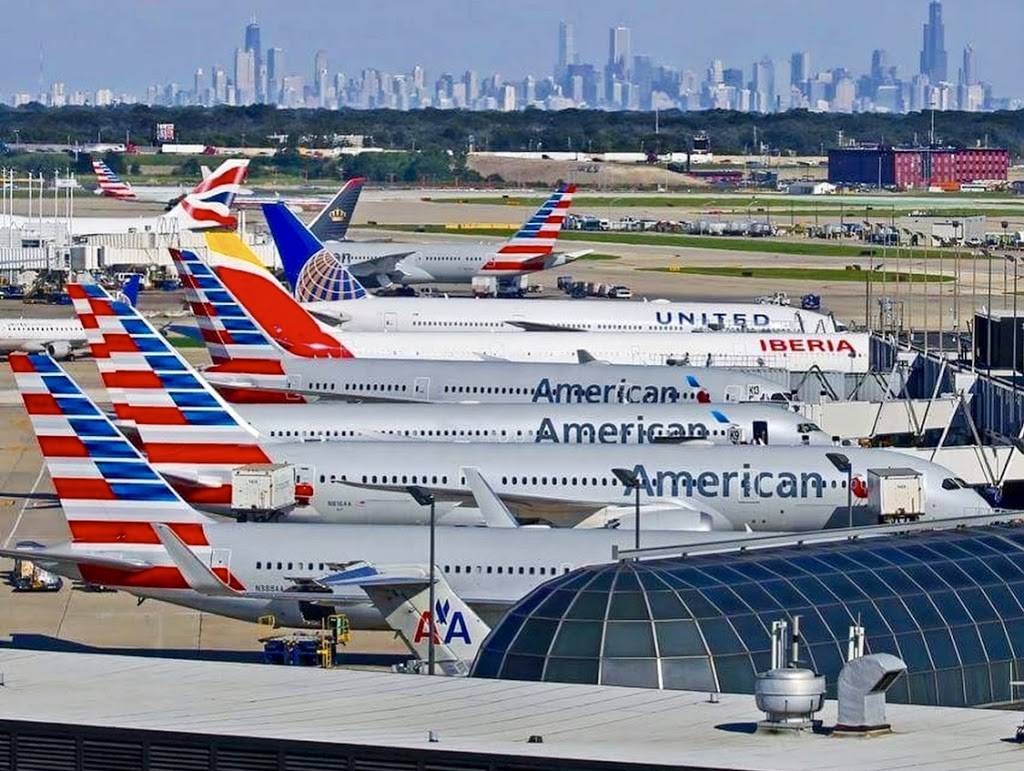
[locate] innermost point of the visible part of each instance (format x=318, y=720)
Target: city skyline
x=625, y=72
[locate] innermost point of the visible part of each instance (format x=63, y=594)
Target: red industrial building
x=910, y=167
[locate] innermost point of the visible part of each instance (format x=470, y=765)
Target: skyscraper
x=245, y=77
x=275, y=74
x=252, y=44
x=619, y=49
x=969, y=71
x=934, y=61
x=566, y=49
x=320, y=76
x=879, y=65
x=799, y=68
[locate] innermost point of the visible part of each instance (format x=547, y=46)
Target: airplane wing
x=64, y=556
x=537, y=326
x=385, y=265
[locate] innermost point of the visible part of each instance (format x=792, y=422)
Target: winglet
x=197, y=575
x=492, y=508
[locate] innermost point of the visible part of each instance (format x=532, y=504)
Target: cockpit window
x=806, y=428
x=950, y=483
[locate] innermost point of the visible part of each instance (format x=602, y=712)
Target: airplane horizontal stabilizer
x=47, y=554
x=197, y=574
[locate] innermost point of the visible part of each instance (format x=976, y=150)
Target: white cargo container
x=263, y=487
x=895, y=493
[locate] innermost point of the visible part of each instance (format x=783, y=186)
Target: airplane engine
x=59, y=350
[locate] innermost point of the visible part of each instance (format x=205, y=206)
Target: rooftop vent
x=788, y=695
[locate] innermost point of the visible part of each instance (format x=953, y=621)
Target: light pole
x=843, y=466
x=629, y=479
x=1016, y=370
x=424, y=497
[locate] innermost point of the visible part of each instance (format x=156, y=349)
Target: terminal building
x=949, y=603
x=916, y=167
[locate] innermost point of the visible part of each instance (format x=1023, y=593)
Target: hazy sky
x=128, y=44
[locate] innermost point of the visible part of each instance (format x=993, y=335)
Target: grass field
x=759, y=207
x=807, y=274
x=807, y=247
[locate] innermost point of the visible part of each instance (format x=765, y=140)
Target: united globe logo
x=324, y=278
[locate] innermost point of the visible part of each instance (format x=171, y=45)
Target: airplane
x=60, y=338
x=325, y=421
x=331, y=223
x=207, y=206
x=131, y=531
x=531, y=249
x=109, y=184
x=195, y=439
x=327, y=289
x=251, y=365
x=254, y=286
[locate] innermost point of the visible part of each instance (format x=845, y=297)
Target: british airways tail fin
x=331, y=224
x=314, y=272
x=209, y=203
x=111, y=185
x=109, y=492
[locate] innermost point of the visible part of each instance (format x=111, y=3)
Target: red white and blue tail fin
x=111, y=185
x=186, y=428
x=110, y=494
x=209, y=203
x=532, y=247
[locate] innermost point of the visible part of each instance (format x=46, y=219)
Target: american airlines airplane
x=327, y=289
x=531, y=249
x=195, y=439
x=131, y=531
x=325, y=421
x=273, y=309
x=60, y=338
x=207, y=206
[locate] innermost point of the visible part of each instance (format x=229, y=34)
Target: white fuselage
x=490, y=569
x=58, y=337
x=93, y=226
x=795, y=352
x=698, y=487
x=762, y=423
x=433, y=263
x=455, y=314
x=431, y=380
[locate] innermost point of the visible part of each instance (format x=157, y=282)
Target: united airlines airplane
x=273, y=308
x=326, y=288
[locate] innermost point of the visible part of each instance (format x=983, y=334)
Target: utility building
x=916, y=167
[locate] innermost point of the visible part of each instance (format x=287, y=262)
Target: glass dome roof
x=949, y=603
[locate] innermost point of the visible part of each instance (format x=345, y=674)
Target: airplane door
x=421, y=388
x=760, y=432
x=390, y=322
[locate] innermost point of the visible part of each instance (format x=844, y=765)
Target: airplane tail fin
x=130, y=289
x=186, y=428
x=315, y=273
x=111, y=185
x=109, y=492
x=537, y=235
x=209, y=203
x=238, y=279
x=331, y=224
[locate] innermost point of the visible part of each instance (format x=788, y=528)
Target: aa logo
x=449, y=622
